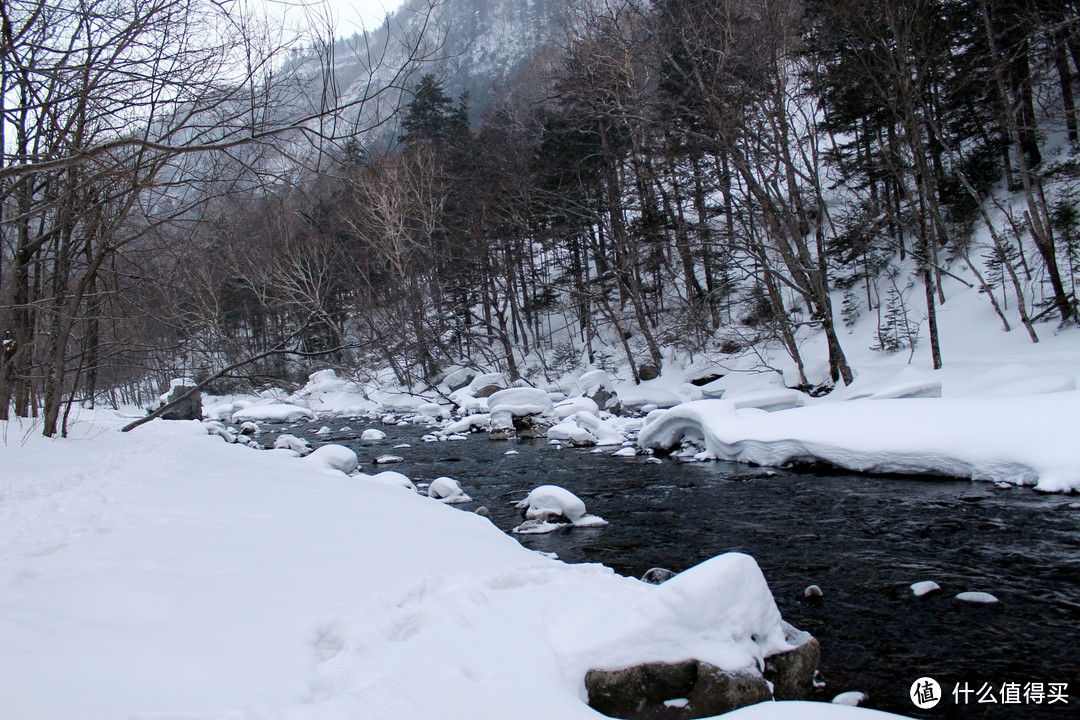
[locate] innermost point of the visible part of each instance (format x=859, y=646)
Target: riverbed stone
x=532, y=426
x=657, y=575
x=648, y=372
x=792, y=672
x=188, y=409
x=718, y=691
x=487, y=391
x=643, y=692
x=501, y=433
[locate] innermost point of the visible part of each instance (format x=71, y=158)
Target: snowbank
x=1026, y=440
x=274, y=412
x=165, y=573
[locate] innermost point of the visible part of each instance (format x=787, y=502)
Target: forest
x=181, y=193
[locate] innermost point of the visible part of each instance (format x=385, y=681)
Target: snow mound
x=391, y=477
x=291, y=442
x=372, y=435
x=334, y=457
x=554, y=500
x=1001, y=440
x=518, y=402
x=720, y=611
x=568, y=407
x=274, y=412
x=447, y=490
x=469, y=423
x=769, y=399
x=546, y=508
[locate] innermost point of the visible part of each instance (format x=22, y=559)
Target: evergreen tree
x=430, y=115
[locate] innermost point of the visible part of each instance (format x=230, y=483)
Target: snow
x=980, y=598
x=851, y=699
x=517, y=402
x=372, y=435
x=1024, y=440
x=164, y=573
x=333, y=457
x=568, y=407
x=447, y=490
x=391, y=478
x=552, y=499
x=924, y=587
x=287, y=441
x=274, y=412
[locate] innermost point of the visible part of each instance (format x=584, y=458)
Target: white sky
x=350, y=15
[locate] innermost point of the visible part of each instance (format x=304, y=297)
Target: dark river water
x=863, y=540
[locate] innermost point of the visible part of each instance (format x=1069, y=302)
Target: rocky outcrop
x=695, y=689
x=792, y=672
x=190, y=408
x=673, y=691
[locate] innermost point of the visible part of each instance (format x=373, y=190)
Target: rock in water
x=552, y=500
x=291, y=442
x=792, y=672
x=982, y=598
x=853, y=698
x=925, y=587
x=337, y=457
x=647, y=690
x=387, y=459
x=447, y=490
x=657, y=575
x=813, y=593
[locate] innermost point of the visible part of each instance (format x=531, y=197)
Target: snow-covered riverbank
x=165, y=572
x=1002, y=409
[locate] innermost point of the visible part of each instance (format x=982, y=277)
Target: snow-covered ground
x=167, y=573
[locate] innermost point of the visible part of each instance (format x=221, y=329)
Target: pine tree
x=430, y=115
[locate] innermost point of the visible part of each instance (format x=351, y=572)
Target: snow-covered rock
x=979, y=598
x=769, y=399
x=372, y=435
x=388, y=459
x=390, y=477
x=216, y=428
x=549, y=507
x=552, y=500
x=924, y=587
x=274, y=412
x=996, y=439
x=291, y=442
x=518, y=402
x=568, y=407
x=853, y=698
x=469, y=423
x=335, y=457
x=447, y=490
x=570, y=432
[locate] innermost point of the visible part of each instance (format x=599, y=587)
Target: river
x=863, y=540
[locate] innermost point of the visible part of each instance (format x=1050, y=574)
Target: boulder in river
x=792, y=672
x=657, y=575
x=688, y=689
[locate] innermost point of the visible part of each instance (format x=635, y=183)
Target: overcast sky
x=350, y=15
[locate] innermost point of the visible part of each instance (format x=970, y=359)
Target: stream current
x=862, y=539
